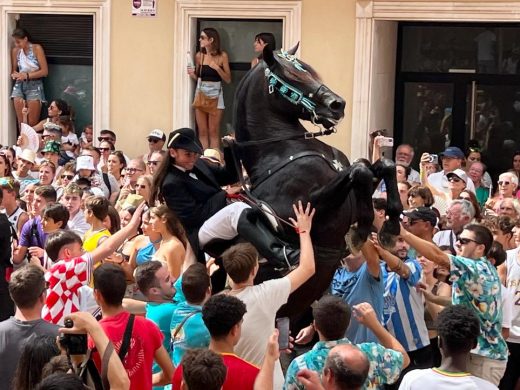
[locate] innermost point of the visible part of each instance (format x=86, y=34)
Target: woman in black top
x=211, y=68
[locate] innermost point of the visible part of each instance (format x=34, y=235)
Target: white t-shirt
x=262, y=302
x=513, y=285
x=507, y=307
x=72, y=139
x=434, y=379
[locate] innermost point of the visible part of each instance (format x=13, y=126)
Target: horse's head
x=297, y=88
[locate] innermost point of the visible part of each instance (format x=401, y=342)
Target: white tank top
x=13, y=218
x=513, y=285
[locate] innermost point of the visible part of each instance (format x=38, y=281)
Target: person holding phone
x=263, y=300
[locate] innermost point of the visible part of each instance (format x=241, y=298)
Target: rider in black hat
x=191, y=187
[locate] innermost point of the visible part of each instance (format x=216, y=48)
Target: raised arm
x=372, y=257
x=393, y=262
x=426, y=248
x=111, y=244
x=365, y=314
x=306, y=268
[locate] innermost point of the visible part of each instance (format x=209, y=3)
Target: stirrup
x=289, y=267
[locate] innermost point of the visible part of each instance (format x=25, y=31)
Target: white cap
x=28, y=155
x=85, y=162
x=157, y=133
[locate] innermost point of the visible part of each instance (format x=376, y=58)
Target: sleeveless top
x=145, y=254
x=207, y=73
x=13, y=218
x=91, y=239
x=27, y=62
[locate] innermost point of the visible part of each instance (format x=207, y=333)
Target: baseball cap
x=157, y=133
x=459, y=173
x=422, y=213
x=453, y=152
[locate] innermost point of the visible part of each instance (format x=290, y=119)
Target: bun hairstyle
x=21, y=33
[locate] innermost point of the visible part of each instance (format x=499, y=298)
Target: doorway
x=237, y=37
x=457, y=84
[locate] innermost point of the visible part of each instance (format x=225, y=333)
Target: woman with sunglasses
x=211, y=68
x=507, y=185
x=57, y=108
x=144, y=187
x=65, y=177
x=457, y=182
x=154, y=162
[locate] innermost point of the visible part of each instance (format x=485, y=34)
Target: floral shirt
x=476, y=285
x=385, y=364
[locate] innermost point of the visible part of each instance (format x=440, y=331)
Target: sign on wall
x=144, y=7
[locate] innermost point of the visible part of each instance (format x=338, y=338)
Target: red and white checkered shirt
x=65, y=278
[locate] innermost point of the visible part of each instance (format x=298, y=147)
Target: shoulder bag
x=202, y=101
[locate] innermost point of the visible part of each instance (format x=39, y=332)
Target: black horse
x=285, y=163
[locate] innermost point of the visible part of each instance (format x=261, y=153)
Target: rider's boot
x=275, y=251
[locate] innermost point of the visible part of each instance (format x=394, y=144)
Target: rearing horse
x=285, y=163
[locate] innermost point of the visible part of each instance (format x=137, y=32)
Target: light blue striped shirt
x=403, y=309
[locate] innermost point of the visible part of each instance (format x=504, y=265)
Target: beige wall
x=142, y=63
x=328, y=29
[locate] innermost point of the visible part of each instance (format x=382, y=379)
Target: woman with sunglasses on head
x=211, y=68
x=28, y=68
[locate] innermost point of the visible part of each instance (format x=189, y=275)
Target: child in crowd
x=73, y=267
x=96, y=210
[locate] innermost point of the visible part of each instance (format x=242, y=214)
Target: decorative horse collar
x=288, y=91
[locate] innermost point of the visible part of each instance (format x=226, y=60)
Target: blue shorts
x=29, y=90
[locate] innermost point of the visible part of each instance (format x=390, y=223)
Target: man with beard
x=403, y=310
x=460, y=213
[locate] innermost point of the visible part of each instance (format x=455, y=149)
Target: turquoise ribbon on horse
x=289, y=92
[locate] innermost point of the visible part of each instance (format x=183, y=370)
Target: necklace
x=156, y=241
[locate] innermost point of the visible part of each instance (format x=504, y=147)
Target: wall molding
x=369, y=12
x=100, y=10
x=186, y=14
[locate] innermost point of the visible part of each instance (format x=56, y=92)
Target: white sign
x=144, y=7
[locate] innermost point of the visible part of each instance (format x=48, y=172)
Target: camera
x=433, y=159
x=74, y=344
x=387, y=141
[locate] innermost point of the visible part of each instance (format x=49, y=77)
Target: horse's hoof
x=354, y=240
x=387, y=236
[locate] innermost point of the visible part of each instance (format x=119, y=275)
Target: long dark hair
x=173, y=224
x=268, y=39
x=212, y=33
x=36, y=352
x=21, y=33
x=158, y=178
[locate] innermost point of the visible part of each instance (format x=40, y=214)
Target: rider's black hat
x=186, y=139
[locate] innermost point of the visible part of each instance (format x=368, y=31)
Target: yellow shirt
x=91, y=239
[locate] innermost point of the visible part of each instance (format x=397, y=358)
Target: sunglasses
x=68, y=177
x=103, y=149
x=141, y=186
x=153, y=140
x=466, y=241
x=150, y=162
x=454, y=179
x=504, y=183
x=133, y=170
x=108, y=139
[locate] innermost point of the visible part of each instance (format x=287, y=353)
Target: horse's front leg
x=358, y=178
x=385, y=169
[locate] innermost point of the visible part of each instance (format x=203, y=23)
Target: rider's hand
x=305, y=335
x=304, y=217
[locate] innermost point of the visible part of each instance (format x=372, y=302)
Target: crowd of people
x=97, y=243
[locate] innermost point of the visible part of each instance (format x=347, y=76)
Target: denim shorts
x=213, y=89
x=29, y=90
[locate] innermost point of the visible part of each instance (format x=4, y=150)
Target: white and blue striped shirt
x=403, y=310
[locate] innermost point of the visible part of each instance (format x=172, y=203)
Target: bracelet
x=398, y=267
x=298, y=231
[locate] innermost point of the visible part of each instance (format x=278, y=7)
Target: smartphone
x=387, y=141
x=282, y=324
x=434, y=159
